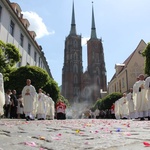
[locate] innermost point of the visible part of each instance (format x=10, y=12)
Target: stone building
x=79, y=86
x=127, y=72
x=14, y=30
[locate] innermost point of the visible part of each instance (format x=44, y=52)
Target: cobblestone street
x=81, y=134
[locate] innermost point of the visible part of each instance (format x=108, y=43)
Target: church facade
x=79, y=86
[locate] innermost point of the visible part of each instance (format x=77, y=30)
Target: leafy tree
x=106, y=102
x=146, y=53
x=17, y=78
x=9, y=56
x=52, y=88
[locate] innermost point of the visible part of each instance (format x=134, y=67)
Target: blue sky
x=120, y=23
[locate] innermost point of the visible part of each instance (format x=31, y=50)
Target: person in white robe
x=135, y=90
x=125, y=109
x=96, y=113
x=147, y=87
x=141, y=101
x=131, y=104
x=2, y=95
x=29, y=99
x=41, y=105
x=51, y=108
x=117, y=110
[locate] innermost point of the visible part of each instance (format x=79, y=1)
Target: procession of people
x=29, y=104
x=136, y=103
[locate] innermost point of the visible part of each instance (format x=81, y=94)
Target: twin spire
x=73, y=24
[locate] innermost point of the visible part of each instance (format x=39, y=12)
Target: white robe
x=124, y=107
x=147, y=87
x=2, y=95
x=141, y=101
x=135, y=90
x=131, y=105
x=51, y=108
x=41, y=105
x=29, y=100
x=117, y=110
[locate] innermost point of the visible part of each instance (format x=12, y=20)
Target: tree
x=106, y=102
x=9, y=56
x=52, y=88
x=146, y=53
x=38, y=76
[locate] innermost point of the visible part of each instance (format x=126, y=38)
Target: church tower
x=96, y=63
x=72, y=67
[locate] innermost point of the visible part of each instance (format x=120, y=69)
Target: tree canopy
x=106, y=102
x=146, y=54
x=9, y=56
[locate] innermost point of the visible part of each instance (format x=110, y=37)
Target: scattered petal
x=32, y=144
x=42, y=138
x=118, y=130
x=147, y=144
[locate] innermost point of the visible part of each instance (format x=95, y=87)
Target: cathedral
x=79, y=86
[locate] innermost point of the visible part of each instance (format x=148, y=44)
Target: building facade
x=128, y=71
x=14, y=30
x=79, y=86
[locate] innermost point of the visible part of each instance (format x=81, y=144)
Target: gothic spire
x=93, y=29
x=73, y=25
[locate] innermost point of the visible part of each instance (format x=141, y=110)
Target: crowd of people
x=29, y=104
x=136, y=103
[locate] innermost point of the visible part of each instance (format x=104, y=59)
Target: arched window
x=75, y=79
x=97, y=71
x=75, y=68
x=98, y=81
x=75, y=56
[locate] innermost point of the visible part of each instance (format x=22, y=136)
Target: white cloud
x=36, y=24
x=84, y=40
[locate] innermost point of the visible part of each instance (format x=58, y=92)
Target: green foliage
x=52, y=88
x=17, y=78
x=146, y=54
x=107, y=101
x=9, y=56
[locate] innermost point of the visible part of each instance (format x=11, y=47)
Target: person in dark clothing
x=13, y=99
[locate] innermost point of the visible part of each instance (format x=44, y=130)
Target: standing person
x=13, y=109
x=20, y=110
x=51, y=108
x=141, y=102
x=135, y=90
x=131, y=104
x=147, y=87
x=125, y=109
x=41, y=107
x=2, y=95
x=29, y=98
x=60, y=110
x=117, y=110
x=7, y=103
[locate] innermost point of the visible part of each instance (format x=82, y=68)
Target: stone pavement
x=74, y=134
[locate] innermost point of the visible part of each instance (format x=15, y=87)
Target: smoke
x=82, y=104
x=77, y=110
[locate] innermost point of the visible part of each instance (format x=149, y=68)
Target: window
x=29, y=49
x=123, y=83
x=21, y=39
x=0, y=12
x=39, y=61
x=75, y=68
x=75, y=79
x=12, y=27
x=35, y=56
